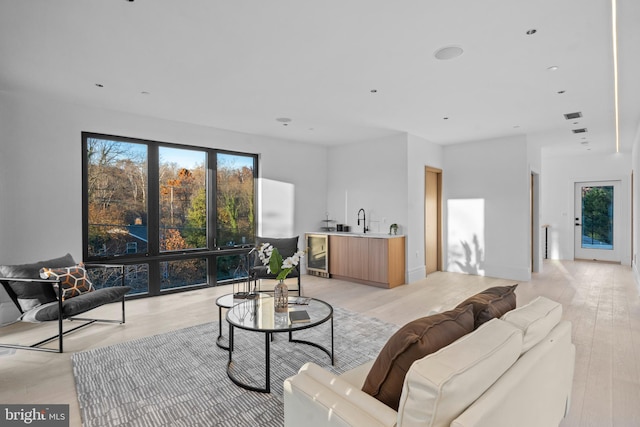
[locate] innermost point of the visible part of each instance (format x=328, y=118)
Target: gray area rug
x=180, y=378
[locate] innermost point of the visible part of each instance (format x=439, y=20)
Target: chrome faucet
x=364, y=220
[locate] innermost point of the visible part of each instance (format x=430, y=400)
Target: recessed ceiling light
x=448, y=52
x=560, y=92
x=445, y=118
x=283, y=120
x=553, y=68
x=584, y=142
x=581, y=130
x=144, y=92
x=99, y=85
x=531, y=32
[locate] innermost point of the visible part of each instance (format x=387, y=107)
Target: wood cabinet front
x=368, y=260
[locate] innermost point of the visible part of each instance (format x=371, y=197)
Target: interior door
x=596, y=220
x=432, y=218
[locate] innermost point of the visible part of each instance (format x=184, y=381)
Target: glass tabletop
x=229, y=300
x=260, y=315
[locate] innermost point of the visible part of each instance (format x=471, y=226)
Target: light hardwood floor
x=601, y=300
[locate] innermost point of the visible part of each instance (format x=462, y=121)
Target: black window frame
x=154, y=256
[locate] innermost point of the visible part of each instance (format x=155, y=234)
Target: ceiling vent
x=571, y=116
x=583, y=130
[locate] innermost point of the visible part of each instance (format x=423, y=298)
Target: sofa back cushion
x=413, y=341
x=287, y=246
x=491, y=303
x=440, y=386
x=535, y=319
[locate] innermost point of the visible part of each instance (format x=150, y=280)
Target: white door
x=596, y=220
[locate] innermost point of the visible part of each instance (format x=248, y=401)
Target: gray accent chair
x=287, y=247
x=38, y=301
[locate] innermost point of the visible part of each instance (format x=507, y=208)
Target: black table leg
x=332, y=341
x=219, y=339
x=329, y=353
x=267, y=361
x=267, y=364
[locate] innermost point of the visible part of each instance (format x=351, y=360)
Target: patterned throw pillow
x=73, y=280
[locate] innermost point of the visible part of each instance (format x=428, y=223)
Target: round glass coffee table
x=259, y=315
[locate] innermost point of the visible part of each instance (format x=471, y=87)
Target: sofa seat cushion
x=29, y=295
x=77, y=305
x=442, y=385
x=413, y=341
x=535, y=319
x=491, y=303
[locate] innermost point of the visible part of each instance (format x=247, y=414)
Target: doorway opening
x=433, y=220
x=536, y=250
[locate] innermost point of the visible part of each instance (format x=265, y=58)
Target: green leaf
x=284, y=273
x=275, y=262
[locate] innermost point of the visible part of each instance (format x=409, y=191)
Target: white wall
x=559, y=173
x=534, y=156
x=369, y=175
x=40, y=170
x=635, y=166
x=420, y=154
x=486, y=198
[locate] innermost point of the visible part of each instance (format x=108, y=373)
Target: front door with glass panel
x=596, y=221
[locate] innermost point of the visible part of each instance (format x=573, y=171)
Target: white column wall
x=420, y=154
x=635, y=167
x=491, y=175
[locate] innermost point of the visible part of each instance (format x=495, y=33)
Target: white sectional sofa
x=512, y=371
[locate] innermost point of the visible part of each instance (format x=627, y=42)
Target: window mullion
x=153, y=218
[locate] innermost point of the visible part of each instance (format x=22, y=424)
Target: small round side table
x=227, y=301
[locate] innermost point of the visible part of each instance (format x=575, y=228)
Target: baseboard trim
x=416, y=274
x=636, y=276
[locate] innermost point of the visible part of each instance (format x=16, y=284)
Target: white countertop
x=352, y=234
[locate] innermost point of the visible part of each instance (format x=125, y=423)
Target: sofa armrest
x=316, y=397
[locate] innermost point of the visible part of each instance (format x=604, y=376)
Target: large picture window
x=150, y=205
x=183, y=199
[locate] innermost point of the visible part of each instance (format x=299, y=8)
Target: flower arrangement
x=270, y=257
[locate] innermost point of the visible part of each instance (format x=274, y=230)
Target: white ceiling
x=240, y=64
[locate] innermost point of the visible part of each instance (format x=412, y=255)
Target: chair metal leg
x=61, y=333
